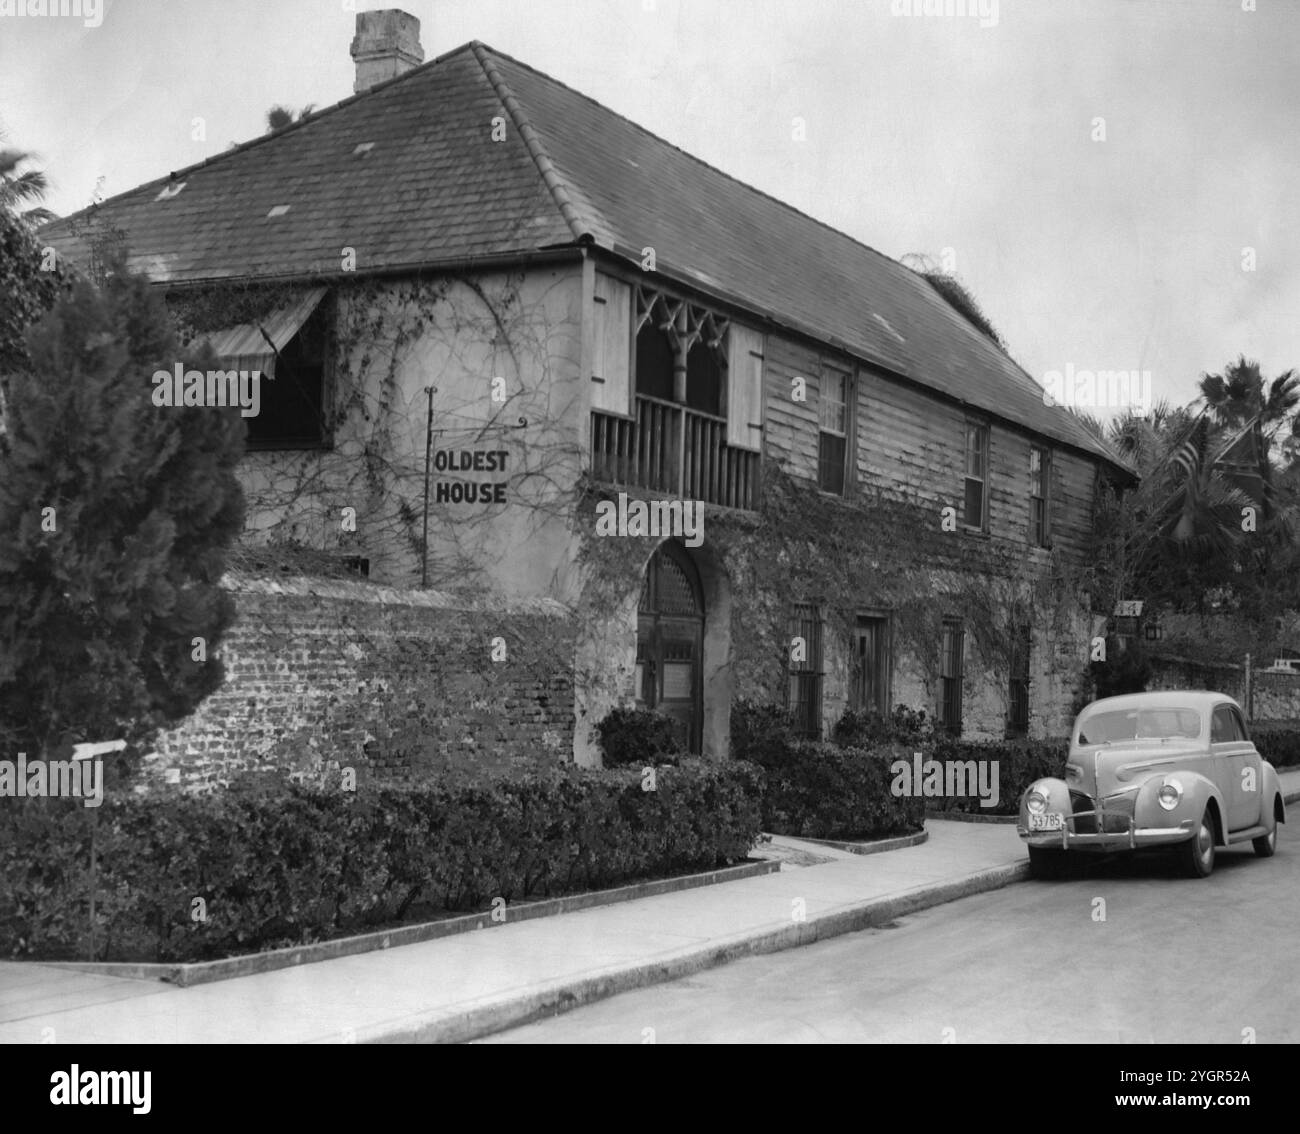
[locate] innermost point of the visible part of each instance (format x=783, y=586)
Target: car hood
x=1112, y=768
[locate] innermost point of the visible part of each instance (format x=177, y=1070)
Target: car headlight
x=1036, y=801
x=1170, y=794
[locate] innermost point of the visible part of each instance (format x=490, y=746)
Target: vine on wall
x=375, y=461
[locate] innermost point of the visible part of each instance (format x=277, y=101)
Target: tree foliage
x=115, y=516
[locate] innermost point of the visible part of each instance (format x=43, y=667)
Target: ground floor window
x=1018, y=693
x=804, y=669
x=952, y=655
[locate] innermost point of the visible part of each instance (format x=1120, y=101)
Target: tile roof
x=434, y=188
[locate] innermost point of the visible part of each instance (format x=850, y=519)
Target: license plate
x=1049, y=821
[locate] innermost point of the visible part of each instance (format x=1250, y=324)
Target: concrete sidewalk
x=459, y=988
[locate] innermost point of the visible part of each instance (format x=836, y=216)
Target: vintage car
x=1172, y=769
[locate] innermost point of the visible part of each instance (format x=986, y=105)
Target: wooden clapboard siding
x=1073, y=480
x=1009, y=503
x=790, y=433
x=910, y=445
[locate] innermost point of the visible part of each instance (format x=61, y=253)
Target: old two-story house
x=497, y=322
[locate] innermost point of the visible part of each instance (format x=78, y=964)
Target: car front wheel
x=1196, y=856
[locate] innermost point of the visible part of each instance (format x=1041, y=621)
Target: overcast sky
x=924, y=132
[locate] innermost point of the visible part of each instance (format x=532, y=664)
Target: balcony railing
x=672, y=449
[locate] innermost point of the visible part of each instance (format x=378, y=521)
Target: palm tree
x=1179, y=531
x=22, y=187
x=278, y=117
x=1240, y=394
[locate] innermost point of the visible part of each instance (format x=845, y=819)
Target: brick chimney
x=387, y=44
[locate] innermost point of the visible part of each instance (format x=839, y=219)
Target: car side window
x=1221, y=729
x=1242, y=734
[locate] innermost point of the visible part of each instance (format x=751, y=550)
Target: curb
x=227, y=968
x=513, y=1010
x=969, y=816
x=876, y=846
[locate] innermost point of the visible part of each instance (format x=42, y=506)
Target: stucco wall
x=497, y=348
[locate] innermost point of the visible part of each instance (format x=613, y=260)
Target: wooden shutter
x=611, y=346
x=744, y=387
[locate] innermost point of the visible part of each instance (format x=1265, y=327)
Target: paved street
x=1174, y=961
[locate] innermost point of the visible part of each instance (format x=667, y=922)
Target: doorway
x=670, y=642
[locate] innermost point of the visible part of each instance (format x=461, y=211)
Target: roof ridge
x=694, y=157
x=551, y=176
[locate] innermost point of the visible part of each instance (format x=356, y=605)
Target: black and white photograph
x=650, y=522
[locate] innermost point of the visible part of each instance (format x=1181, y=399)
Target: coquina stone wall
x=322, y=675
x=1275, y=696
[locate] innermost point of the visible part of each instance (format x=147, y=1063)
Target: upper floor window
x=293, y=403
x=290, y=346
x=976, y=509
x=1040, y=480
x=832, y=436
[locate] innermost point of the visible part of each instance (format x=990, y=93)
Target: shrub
x=1279, y=746
x=309, y=864
x=762, y=734
x=824, y=791
x=1020, y=762
x=640, y=737
x=859, y=729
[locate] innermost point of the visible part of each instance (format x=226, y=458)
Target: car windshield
x=1140, y=724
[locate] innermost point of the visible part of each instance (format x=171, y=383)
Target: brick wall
x=327, y=674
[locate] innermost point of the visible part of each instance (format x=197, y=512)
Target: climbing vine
x=488, y=355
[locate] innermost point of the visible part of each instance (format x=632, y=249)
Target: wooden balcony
x=674, y=450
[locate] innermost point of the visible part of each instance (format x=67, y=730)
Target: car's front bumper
x=1110, y=832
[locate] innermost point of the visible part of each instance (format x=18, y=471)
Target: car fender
x=1198, y=790
x=1272, y=789
x=1058, y=797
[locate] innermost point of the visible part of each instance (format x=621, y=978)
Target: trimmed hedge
x=823, y=791
x=1020, y=763
x=863, y=729
x=820, y=790
x=640, y=738
x=1279, y=746
x=187, y=878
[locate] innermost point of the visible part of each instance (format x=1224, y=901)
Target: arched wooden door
x=670, y=641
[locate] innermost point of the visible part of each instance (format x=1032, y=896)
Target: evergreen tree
x=27, y=290
x=115, y=517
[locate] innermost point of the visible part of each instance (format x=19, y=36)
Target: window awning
x=254, y=346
